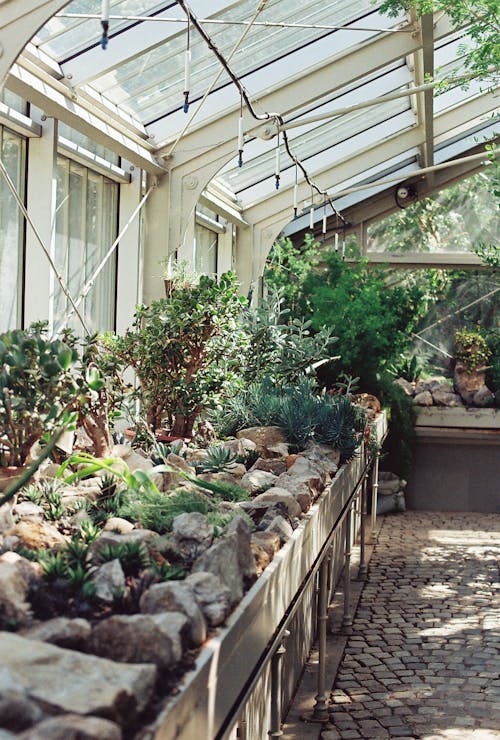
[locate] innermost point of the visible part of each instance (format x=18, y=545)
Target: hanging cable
x=295, y=193
x=275, y=117
x=323, y=224
x=22, y=208
x=240, y=134
x=187, y=67
x=105, y=23
x=277, y=163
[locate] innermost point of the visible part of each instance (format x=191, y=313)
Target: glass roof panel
x=151, y=85
x=63, y=37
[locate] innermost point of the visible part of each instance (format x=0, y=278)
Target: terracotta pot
x=9, y=474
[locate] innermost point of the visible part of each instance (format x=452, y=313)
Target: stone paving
x=423, y=660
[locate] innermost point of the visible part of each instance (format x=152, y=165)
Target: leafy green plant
x=341, y=425
x=223, y=490
x=133, y=556
x=219, y=459
x=186, y=351
x=53, y=506
x=89, y=531
x=76, y=552
x=53, y=564
x=472, y=349
x=159, y=453
x=37, y=389
x=157, y=510
x=406, y=367
x=167, y=572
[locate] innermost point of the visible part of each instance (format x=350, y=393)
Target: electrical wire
x=266, y=116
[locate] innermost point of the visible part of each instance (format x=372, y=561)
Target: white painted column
x=225, y=250
x=41, y=204
x=129, y=277
x=155, y=240
x=187, y=247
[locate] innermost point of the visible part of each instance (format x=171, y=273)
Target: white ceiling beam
x=52, y=98
x=123, y=47
x=18, y=122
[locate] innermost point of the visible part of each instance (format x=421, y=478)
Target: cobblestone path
x=423, y=660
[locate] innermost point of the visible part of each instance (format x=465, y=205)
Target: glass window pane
x=86, y=225
x=12, y=150
x=205, y=250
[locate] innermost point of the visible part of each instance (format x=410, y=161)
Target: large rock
x=270, y=465
x=281, y=495
x=305, y=480
x=67, y=681
x=324, y=456
x=423, y=399
x=38, y=535
x=258, y=510
x=74, y=727
x=118, y=524
x=6, y=518
x=14, y=586
x=62, y=631
x=222, y=560
x=17, y=712
x=192, y=526
x=258, y=480
x=212, y=595
x=281, y=527
x=147, y=536
x=264, y=547
x=137, y=638
x=405, y=385
x=239, y=527
x=27, y=509
x=483, y=397
x=264, y=438
x=176, y=596
x=109, y=581
x=446, y=398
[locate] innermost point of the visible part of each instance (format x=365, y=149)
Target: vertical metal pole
x=347, y=619
x=374, y=497
x=363, y=568
x=275, y=730
x=320, y=709
x=241, y=732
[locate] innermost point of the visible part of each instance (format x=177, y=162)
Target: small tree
x=185, y=350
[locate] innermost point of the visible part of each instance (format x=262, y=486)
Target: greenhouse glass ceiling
x=299, y=59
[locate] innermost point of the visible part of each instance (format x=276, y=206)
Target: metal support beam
x=275, y=729
x=424, y=71
x=320, y=709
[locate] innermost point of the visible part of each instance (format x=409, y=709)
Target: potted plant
x=472, y=354
x=37, y=389
x=185, y=351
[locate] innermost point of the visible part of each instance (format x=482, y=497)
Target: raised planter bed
x=204, y=706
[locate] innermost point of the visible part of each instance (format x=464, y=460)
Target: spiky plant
x=339, y=426
x=219, y=459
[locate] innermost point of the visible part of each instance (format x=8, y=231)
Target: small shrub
x=472, y=349
x=219, y=459
x=133, y=556
x=157, y=510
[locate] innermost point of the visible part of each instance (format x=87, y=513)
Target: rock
x=27, y=509
x=280, y=449
x=239, y=527
x=136, y=461
x=237, y=470
x=6, y=518
x=154, y=638
x=445, y=387
x=236, y=446
x=324, y=456
x=109, y=581
x=38, y=535
x=248, y=445
x=304, y=477
x=283, y=496
x=196, y=455
x=281, y=527
x=483, y=397
x=74, y=727
x=62, y=631
x=264, y=437
x=206, y=431
x=222, y=560
x=147, y=536
x=258, y=510
x=264, y=547
x=258, y=480
x=17, y=711
x=467, y=382
x=51, y=471
x=14, y=586
x=446, y=398
x=212, y=595
x=193, y=527
x=176, y=596
x=118, y=525
x=304, y=500
x=423, y=399
x=406, y=386
x=290, y=460
x=272, y=465
x=67, y=681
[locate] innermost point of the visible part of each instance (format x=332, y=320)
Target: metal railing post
x=374, y=497
x=347, y=618
x=275, y=730
x=320, y=709
x=363, y=567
